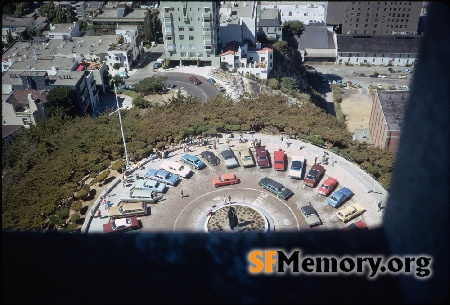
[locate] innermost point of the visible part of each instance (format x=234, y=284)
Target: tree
x=116, y=66
x=83, y=26
x=293, y=27
x=63, y=100
x=150, y=84
x=274, y=84
x=9, y=38
x=44, y=10
x=288, y=83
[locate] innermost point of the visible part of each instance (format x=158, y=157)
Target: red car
x=278, y=160
x=327, y=186
x=225, y=179
x=315, y=173
x=356, y=225
x=121, y=225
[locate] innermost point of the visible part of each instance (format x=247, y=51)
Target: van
x=128, y=209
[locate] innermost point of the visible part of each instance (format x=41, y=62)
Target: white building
x=24, y=107
x=305, y=11
x=125, y=49
x=245, y=60
x=59, y=30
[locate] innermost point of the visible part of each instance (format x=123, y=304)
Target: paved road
x=174, y=213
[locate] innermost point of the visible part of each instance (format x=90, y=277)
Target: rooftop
x=316, y=37
x=393, y=104
x=61, y=27
x=20, y=96
x=111, y=15
x=16, y=22
x=379, y=43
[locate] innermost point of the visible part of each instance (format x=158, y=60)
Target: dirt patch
x=356, y=108
x=160, y=98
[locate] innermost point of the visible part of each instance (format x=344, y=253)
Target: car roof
x=329, y=180
x=308, y=210
x=278, y=154
x=317, y=167
x=228, y=176
x=271, y=182
x=298, y=158
x=261, y=149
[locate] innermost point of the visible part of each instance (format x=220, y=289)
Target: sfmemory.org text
x=275, y=261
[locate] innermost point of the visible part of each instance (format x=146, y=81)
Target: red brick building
x=386, y=118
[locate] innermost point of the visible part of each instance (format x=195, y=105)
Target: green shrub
x=74, y=218
x=189, y=131
x=82, y=194
x=385, y=180
x=93, y=181
x=72, y=227
x=223, y=65
x=98, y=167
x=373, y=171
x=232, y=127
x=86, y=187
x=76, y=206
x=209, y=132
x=315, y=140
x=118, y=165
x=161, y=145
x=55, y=220
x=63, y=213
x=103, y=176
x=92, y=175
x=148, y=46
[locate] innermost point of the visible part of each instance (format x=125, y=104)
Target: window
x=181, y=37
x=181, y=28
x=191, y=29
x=200, y=54
x=183, y=54
x=182, y=46
x=168, y=37
x=192, y=46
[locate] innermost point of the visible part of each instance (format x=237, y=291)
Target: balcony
x=170, y=47
x=168, y=30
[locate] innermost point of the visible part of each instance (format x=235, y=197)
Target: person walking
x=182, y=194
x=229, y=199
x=281, y=138
x=224, y=200
x=99, y=214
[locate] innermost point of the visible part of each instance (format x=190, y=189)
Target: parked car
x=136, y=195
x=297, y=167
x=220, y=88
x=127, y=87
x=176, y=168
x=211, y=80
x=195, y=80
x=310, y=215
x=128, y=210
x=380, y=86
x=262, y=157
x=327, y=186
x=339, y=197
x=210, y=157
x=350, y=212
x=225, y=179
x=150, y=185
x=157, y=65
x=314, y=175
x=381, y=76
x=123, y=74
x=162, y=176
x=227, y=156
x=121, y=225
x=278, y=160
x=193, y=161
x=275, y=188
x=356, y=225
x=246, y=156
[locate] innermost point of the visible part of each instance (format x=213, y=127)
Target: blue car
x=339, y=197
x=212, y=81
x=162, y=176
x=151, y=185
x=192, y=161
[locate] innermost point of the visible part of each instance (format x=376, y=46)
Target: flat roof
x=393, y=104
x=379, y=43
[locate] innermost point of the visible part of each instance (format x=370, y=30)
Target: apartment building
x=125, y=49
x=191, y=32
x=374, y=17
x=386, y=118
x=308, y=12
x=17, y=26
x=107, y=22
x=241, y=58
x=59, y=30
x=24, y=107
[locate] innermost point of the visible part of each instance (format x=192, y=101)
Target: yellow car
x=350, y=212
x=246, y=156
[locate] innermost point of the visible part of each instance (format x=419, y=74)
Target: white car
x=176, y=168
x=297, y=166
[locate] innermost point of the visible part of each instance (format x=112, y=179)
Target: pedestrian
x=281, y=138
x=229, y=199
x=99, y=214
x=225, y=200
x=182, y=194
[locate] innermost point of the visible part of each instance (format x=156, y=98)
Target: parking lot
x=174, y=213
